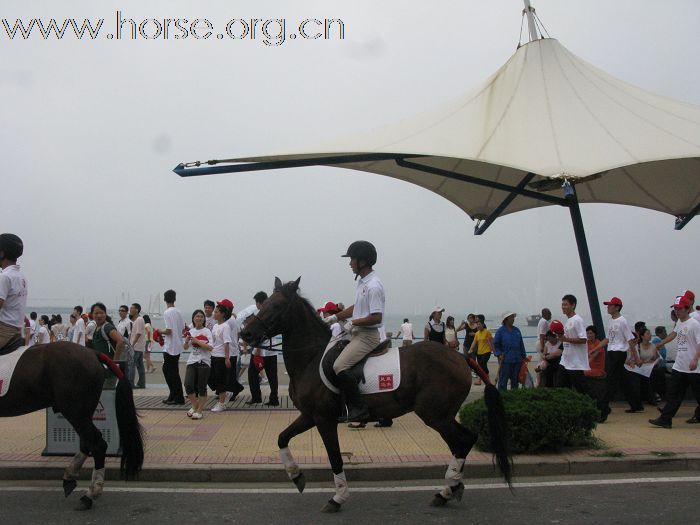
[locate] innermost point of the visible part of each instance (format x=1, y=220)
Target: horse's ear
x=278, y=283
x=295, y=285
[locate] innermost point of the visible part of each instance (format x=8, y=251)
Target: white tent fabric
x=549, y=113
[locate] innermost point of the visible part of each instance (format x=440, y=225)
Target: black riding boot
x=357, y=409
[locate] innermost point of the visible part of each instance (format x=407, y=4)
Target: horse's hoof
x=69, y=486
x=438, y=501
x=85, y=503
x=458, y=491
x=300, y=482
x=331, y=507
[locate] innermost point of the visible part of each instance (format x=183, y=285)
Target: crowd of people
x=571, y=354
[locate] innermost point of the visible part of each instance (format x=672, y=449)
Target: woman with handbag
x=107, y=340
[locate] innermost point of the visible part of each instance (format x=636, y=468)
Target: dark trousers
x=677, y=386
x=483, y=361
x=549, y=376
x=254, y=379
x=577, y=380
x=171, y=372
x=616, y=375
x=509, y=372
x=138, y=367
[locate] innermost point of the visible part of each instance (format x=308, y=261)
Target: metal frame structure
x=570, y=200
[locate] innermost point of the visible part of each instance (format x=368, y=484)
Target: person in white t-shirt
x=79, y=328
x=221, y=362
x=200, y=339
x=90, y=328
x=542, y=329
x=172, y=334
x=13, y=289
x=137, y=339
x=621, y=343
x=694, y=310
x=406, y=333
x=33, y=327
x=209, y=306
x=234, y=387
x=574, y=356
x=43, y=336
x=686, y=371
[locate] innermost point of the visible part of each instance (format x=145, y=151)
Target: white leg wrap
x=453, y=475
x=341, y=488
x=290, y=465
x=98, y=481
x=73, y=469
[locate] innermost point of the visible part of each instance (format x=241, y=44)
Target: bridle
x=267, y=328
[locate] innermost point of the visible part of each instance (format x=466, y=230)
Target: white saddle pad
x=7, y=368
x=382, y=373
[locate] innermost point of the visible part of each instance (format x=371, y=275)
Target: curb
x=523, y=467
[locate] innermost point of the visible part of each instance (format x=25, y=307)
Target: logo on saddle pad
x=386, y=382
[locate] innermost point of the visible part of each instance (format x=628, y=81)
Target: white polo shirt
x=369, y=298
x=173, y=341
x=687, y=341
x=575, y=356
x=619, y=335
x=79, y=332
x=13, y=290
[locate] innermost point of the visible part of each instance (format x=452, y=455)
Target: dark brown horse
x=435, y=381
x=68, y=378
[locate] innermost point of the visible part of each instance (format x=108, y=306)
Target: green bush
x=538, y=419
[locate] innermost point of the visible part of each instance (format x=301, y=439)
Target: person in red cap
x=328, y=309
x=694, y=313
x=685, y=370
x=221, y=359
x=620, y=341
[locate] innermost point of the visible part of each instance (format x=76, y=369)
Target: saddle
x=357, y=371
x=13, y=344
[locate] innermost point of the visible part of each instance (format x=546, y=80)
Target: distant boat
x=532, y=320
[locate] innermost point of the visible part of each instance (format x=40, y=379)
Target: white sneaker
x=218, y=407
x=196, y=415
x=190, y=412
x=229, y=395
x=263, y=381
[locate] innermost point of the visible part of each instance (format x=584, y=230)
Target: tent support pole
x=488, y=221
x=585, y=258
x=683, y=220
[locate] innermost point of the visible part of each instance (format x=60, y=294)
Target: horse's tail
x=497, y=422
x=130, y=430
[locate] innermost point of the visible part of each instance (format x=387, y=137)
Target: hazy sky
x=92, y=129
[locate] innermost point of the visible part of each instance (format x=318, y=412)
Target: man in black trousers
x=269, y=358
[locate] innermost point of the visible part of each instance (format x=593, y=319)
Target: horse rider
x=13, y=288
x=366, y=316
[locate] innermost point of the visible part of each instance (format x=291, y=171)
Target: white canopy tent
x=545, y=120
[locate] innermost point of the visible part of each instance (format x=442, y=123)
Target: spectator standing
x=89, y=328
x=172, y=334
x=221, y=354
x=482, y=343
x=79, y=327
x=43, y=336
x=620, y=342
x=71, y=327
x=33, y=327
x=269, y=365
x=451, y=334
x=124, y=324
x=574, y=357
x=198, y=368
x=549, y=367
x=470, y=329
x=435, y=328
x=209, y=306
x=13, y=289
x=233, y=386
x=596, y=361
x=406, y=332
x=58, y=329
x=694, y=313
x=510, y=349
x=685, y=370
x=543, y=328
x=148, y=336
x=138, y=342
x=107, y=340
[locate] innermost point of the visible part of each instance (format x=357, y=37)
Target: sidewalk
x=241, y=445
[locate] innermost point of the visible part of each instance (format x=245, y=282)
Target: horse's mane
x=310, y=311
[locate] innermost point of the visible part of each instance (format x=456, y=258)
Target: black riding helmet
x=362, y=250
x=11, y=246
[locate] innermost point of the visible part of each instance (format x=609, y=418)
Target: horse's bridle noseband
x=266, y=328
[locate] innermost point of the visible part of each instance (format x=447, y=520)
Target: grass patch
x=610, y=454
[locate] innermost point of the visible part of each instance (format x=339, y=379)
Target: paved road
x=657, y=498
